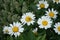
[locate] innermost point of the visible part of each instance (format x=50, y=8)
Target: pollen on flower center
x=15, y=29
x=51, y=14
x=6, y=31
x=56, y=0
x=44, y=23
x=28, y=19
x=42, y=5
x=58, y=28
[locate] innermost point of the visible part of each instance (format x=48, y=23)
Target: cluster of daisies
x=28, y=18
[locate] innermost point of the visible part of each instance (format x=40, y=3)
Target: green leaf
x=29, y=36
x=43, y=37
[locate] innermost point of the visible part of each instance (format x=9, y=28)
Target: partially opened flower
x=51, y=13
x=42, y=4
x=44, y=22
x=16, y=29
x=28, y=18
x=6, y=30
x=57, y=27
x=57, y=1
x=35, y=31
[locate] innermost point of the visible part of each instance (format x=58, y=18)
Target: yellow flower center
x=56, y=0
x=28, y=19
x=6, y=31
x=15, y=29
x=42, y=5
x=58, y=28
x=44, y=23
x=51, y=14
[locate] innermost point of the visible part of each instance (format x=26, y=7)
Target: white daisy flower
x=57, y=1
x=28, y=18
x=42, y=4
x=44, y=22
x=16, y=29
x=57, y=27
x=35, y=30
x=6, y=30
x=51, y=13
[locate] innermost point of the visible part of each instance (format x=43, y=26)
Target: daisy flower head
x=57, y=28
x=44, y=22
x=56, y=1
x=6, y=30
x=28, y=18
x=16, y=29
x=35, y=30
x=51, y=13
x=42, y=4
